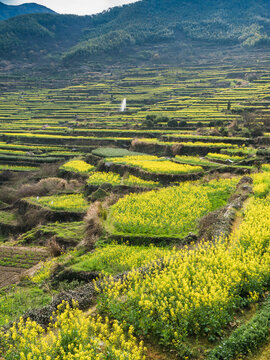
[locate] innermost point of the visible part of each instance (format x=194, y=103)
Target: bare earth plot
x=14, y=261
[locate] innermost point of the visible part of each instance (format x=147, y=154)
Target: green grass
x=71, y=203
x=195, y=160
x=7, y=218
x=17, y=301
x=114, y=259
x=114, y=152
x=67, y=231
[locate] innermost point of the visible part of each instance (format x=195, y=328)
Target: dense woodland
x=131, y=27
x=9, y=11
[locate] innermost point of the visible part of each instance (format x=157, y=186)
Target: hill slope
x=8, y=11
x=169, y=23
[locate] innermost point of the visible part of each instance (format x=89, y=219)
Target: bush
x=151, y=117
x=172, y=123
x=182, y=123
x=148, y=124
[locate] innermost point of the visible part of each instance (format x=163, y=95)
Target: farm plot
x=168, y=295
x=8, y=223
x=195, y=160
x=66, y=202
x=77, y=166
x=99, y=178
x=66, y=234
x=196, y=293
x=156, y=165
x=16, y=260
x=171, y=212
x=87, y=114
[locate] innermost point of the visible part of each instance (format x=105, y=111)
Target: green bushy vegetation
x=114, y=259
x=146, y=22
x=15, y=303
x=247, y=338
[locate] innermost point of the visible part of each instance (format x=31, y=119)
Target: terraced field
x=50, y=125
x=14, y=261
x=155, y=220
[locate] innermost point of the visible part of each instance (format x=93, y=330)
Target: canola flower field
x=171, y=212
x=70, y=202
x=72, y=335
x=114, y=258
x=153, y=164
x=195, y=160
x=157, y=301
x=224, y=157
x=214, y=281
x=77, y=166
x=98, y=178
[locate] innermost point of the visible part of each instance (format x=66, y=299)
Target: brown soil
x=15, y=261
x=8, y=276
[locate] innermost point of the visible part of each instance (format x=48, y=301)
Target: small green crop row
x=113, y=152
x=18, y=168
x=195, y=160
x=246, y=339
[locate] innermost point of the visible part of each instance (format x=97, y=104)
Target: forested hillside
x=134, y=26
x=8, y=11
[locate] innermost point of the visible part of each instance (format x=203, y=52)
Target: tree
x=172, y=123
x=252, y=124
x=148, y=124
x=182, y=123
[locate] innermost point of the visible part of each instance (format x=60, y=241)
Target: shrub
x=172, y=123
x=93, y=224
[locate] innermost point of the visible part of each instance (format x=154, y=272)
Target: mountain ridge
x=141, y=28
x=9, y=11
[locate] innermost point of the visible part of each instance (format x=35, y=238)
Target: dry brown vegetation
x=32, y=217
x=176, y=149
x=54, y=248
x=48, y=186
x=93, y=225
x=96, y=213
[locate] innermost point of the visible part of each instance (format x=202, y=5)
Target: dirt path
x=239, y=218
